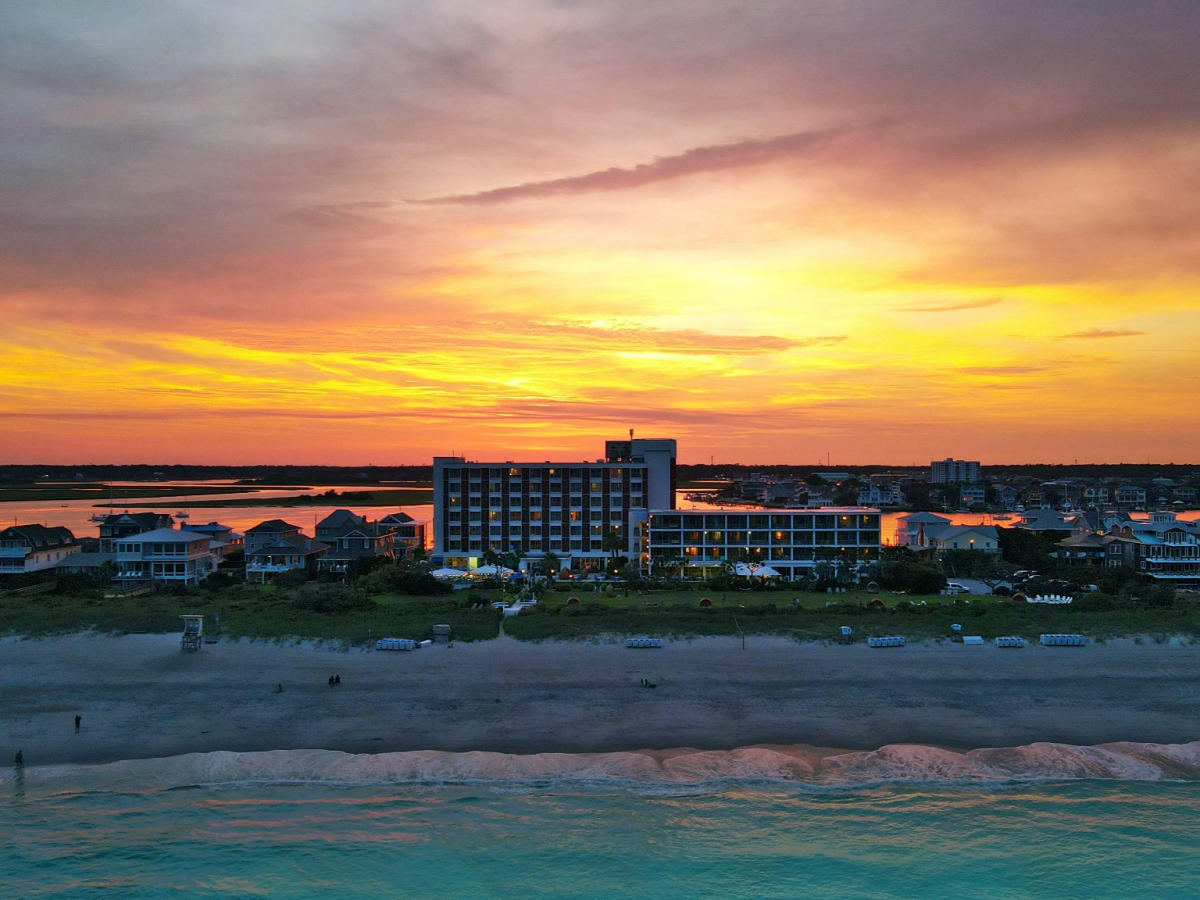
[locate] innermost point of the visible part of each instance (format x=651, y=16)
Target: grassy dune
x=264, y=612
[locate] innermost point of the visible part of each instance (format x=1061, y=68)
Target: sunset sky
x=372, y=231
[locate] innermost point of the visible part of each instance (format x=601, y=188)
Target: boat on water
x=181, y=515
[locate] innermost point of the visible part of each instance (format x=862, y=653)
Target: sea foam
x=682, y=767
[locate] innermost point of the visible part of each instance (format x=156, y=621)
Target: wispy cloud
x=1003, y=370
x=683, y=340
x=691, y=162
x=1090, y=333
x=952, y=307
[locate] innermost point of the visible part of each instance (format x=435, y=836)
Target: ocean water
x=152, y=829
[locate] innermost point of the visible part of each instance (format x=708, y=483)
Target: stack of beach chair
x=644, y=643
x=1063, y=640
x=1009, y=641
x=395, y=644
x=889, y=641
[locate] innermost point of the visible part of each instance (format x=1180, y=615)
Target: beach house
x=349, y=537
x=31, y=548
x=274, y=547
x=164, y=555
x=408, y=533
x=115, y=526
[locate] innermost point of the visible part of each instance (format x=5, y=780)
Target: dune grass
x=263, y=612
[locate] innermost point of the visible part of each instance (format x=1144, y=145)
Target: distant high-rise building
x=954, y=471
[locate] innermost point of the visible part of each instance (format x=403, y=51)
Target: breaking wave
x=798, y=765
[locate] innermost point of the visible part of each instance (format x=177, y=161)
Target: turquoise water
x=1081, y=838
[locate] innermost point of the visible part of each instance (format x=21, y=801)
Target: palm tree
x=612, y=543
x=549, y=565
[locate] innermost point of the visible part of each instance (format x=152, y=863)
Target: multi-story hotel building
x=563, y=508
x=792, y=541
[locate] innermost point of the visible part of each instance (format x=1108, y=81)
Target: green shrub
x=329, y=598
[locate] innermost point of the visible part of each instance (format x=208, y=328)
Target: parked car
x=953, y=587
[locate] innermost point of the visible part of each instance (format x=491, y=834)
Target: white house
x=981, y=538
x=30, y=548
x=165, y=554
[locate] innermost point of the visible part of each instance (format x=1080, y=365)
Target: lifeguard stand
x=193, y=633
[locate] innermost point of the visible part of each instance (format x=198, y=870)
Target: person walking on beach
x=78, y=720
x=19, y=759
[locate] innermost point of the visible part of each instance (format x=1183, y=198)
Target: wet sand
x=140, y=697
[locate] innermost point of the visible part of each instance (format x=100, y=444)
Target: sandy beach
x=140, y=697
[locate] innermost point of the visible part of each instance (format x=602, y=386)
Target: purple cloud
x=715, y=158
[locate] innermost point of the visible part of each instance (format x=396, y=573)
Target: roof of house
x=145, y=520
x=273, y=526
x=920, y=518
x=210, y=528
x=39, y=537
x=1084, y=540
x=954, y=531
x=290, y=543
x=397, y=518
x=166, y=536
x=1046, y=520
x=341, y=518
x=81, y=560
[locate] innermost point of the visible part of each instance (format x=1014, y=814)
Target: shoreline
x=141, y=697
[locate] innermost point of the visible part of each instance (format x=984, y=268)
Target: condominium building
x=570, y=509
x=793, y=542
x=954, y=471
